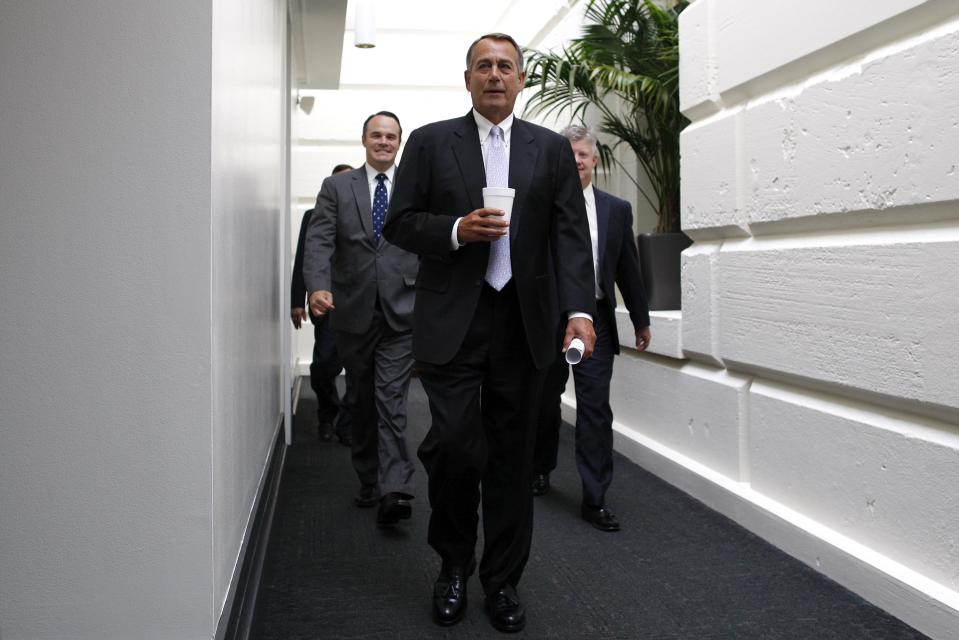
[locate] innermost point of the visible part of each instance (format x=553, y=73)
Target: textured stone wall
x=809, y=387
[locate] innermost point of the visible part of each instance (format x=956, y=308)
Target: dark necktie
x=380, y=202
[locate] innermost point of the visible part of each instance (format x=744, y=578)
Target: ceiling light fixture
x=364, y=25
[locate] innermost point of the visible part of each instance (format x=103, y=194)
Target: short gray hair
x=495, y=36
x=577, y=133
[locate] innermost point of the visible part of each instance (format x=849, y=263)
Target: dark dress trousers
x=326, y=365
x=372, y=284
x=481, y=353
x=618, y=265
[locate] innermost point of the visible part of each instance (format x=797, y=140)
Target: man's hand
x=321, y=302
x=581, y=328
x=643, y=336
x=298, y=315
x=482, y=225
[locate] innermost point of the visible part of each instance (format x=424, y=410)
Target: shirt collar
x=371, y=173
x=588, y=192
x=484, y=126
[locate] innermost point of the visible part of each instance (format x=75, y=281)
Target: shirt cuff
x=454, y=241
x=579, y=314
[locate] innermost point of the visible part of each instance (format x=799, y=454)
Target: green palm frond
x=629, y=49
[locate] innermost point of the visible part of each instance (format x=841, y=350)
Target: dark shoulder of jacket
x=616, y=201
x=541, y=133
x=438, y=127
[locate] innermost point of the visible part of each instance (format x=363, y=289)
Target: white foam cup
x=574, y=352
x=499, y=198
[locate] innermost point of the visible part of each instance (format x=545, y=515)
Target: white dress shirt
x=484, y=127
x=590, y=196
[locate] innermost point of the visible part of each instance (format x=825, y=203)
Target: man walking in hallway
x=616, y=263
x=368, y=292
x=488, y=299
x=325, y=365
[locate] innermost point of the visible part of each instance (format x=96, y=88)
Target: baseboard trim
x=929, y=607
x=236, y=620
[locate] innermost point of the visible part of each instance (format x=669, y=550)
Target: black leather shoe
x=325, y=430
x=540, y=484
x=600, y=517
x=506, y=612
x=366, y=497
x=345, y=439
x=449, y=594
x=393, y=508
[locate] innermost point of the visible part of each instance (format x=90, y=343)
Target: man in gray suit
x=368, y=292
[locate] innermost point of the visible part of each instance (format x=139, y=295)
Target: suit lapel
x=522, y=159
x=602, y=224
x=389, y=196
x=361, y=193
x=469, y=157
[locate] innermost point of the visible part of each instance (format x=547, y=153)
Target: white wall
x=808, y=388
x=248, y=211
x=138, y=388
x=104, y=323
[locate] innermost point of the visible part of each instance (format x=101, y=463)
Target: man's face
x=382, y=141
x=494, y=79
x=586, y=160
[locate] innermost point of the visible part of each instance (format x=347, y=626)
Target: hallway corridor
x=677, y=570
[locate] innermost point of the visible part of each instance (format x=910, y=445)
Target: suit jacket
x=619, y=261
x=341, y=257
x=297, y=286
x=442, y=178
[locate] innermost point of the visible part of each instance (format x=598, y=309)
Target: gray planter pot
x=659, y=260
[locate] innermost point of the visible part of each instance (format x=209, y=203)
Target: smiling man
x=368, y=293
x=488, y=298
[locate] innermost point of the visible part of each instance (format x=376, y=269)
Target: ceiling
x=414, y=38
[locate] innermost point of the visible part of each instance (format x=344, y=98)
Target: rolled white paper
x=574, y=352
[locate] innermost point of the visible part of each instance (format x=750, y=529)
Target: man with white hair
x=616, y=262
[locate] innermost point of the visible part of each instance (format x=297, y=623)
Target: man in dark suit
x=616, y=263
x=368, y=292
x=488, y=298
x=325, y=366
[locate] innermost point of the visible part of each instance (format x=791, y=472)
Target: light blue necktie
x=380, y=202
x=498, y=270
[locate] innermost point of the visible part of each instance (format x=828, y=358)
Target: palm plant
x=629, y=50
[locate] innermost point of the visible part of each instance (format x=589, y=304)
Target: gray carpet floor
x=677, y=570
